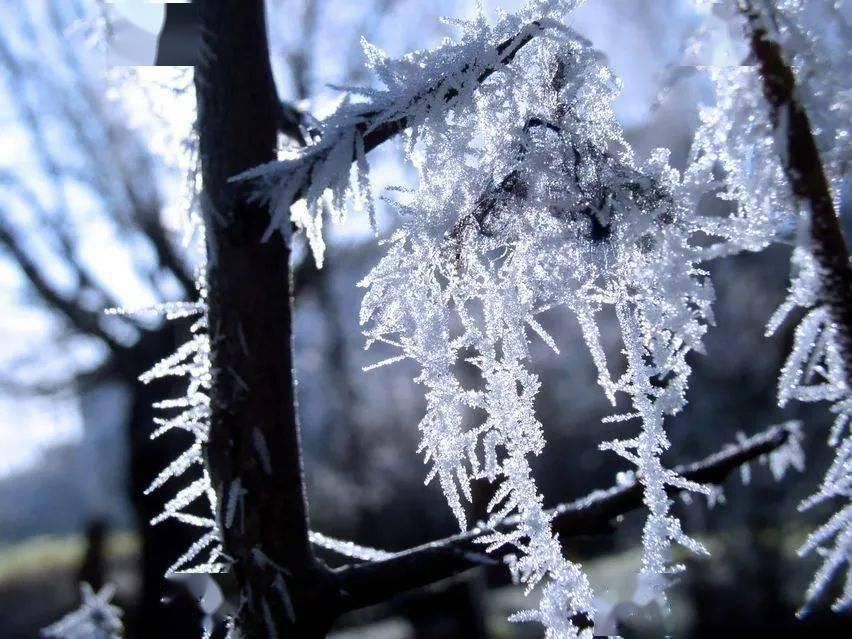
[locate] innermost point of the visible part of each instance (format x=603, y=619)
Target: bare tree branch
x=803, y=167
x=371, y=583
x=78, y=382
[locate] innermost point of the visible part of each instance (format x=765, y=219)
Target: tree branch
x=376, y=129
x=506, y=50
x=293, y=123
x=800, y=159
x=371, y=583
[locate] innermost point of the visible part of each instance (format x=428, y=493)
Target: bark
x=254, y=446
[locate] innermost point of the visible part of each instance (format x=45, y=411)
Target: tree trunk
x=254, y=454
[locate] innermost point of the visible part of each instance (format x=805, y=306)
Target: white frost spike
x=96, y=618
x=348, y=548
x=191, y=361
x=177, y=467
x=192, y=552
x=543, y=334
x=185, y=497
x=384, y=362
x=364, y=192
x=790, y=454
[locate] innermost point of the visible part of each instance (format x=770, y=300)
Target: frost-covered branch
x=355, y=129
x=369, y=583
x=803, y=166
x=810, y=142
x=378, y=129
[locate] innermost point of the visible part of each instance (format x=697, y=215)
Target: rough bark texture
x=803, y=167
x=254, y=448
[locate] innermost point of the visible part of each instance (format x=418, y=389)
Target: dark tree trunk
x=254, y=454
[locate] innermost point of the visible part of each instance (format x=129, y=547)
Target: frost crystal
x=419, y=90
x=96, y=618
x=530, y=199
x=790, y=454
x=737, y=136
x=814, y=372
x=191, y=413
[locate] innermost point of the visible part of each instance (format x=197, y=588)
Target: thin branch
x=800, y=159
x=293, y=123
x=371, y=583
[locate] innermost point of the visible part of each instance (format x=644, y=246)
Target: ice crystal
x=833, y=540
x=738, y=137
x=814, y=372
x=96, y=618
x=530, y=199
